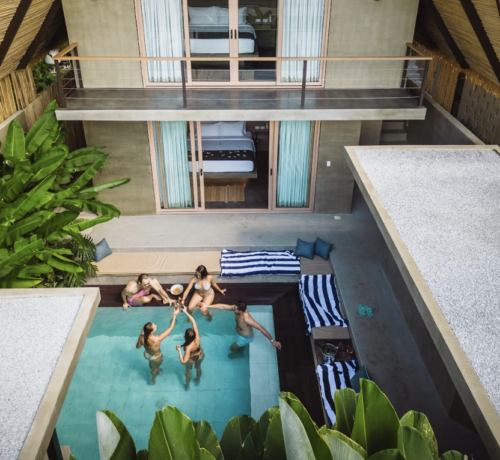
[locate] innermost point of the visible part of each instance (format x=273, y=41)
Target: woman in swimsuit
x=193, y=353
x=204, y=286
x=151, y=344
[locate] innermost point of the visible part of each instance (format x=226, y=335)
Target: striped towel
x=320, y=301
x=332, y=377
x=259, y=263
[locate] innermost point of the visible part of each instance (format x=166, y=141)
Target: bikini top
x=198, y=288
x=146, y=346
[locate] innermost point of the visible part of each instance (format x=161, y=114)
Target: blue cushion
x=304, y=249
x=102, y=250
x=322, y=248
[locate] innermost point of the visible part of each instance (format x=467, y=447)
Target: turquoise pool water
x=112, y=374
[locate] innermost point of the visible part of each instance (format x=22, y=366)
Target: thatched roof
x=28, y=28
x=473, y=26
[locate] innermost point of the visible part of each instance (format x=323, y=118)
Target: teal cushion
x=304, y=249
x=322, y=248
x=102, y=250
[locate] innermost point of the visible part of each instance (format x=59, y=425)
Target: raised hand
x=277, y=345
x=223, y=291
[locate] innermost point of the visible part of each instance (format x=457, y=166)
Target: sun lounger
x=259, y=263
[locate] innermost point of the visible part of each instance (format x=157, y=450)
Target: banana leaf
x=234, y=434
x=21, y=254
x=23, y=205
x=101, y=187
x=49, y=141
x=274, y=445
x=81, y=181
x=48, y=163
x=142, y=455
x=421, y=423
x=325, y=432
x=30, y=270
x=345, y=409
x=51, y=106
x=84, y=158
x=11, y=189
x=43, y=186
x=56, y=223
x=60, y=262
x=248, y=449
x=94, y=206
x=72, y=457
x=14, y=143
x=341, y=446
x=74, y=153
x=412, y=445
x=376, y=423
x=453, y=455
x=26, y=225
x=115, y=442
x=206, y=455
x=389, y=454
x=7, y=283
x=63, y=135
x=297, y=443
x=40, y=131
x=172, y=436
x=207, y=439
x=319, y=446
x=253, y=445
x=81, y=226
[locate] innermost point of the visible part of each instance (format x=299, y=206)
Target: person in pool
x=204, y=294
x=245, y=325
x=138, y=292
x=151, y=344
x=193, y=353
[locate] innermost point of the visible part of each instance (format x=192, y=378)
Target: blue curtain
x=172, y=158
x=293, y=163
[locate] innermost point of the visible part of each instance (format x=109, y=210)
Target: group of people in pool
x=138, y=292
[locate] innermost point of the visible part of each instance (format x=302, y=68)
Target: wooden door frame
x=233, y=64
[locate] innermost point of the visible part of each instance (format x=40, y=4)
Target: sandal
x=369, y=311
x=362, y=310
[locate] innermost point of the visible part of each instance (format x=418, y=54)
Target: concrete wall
x=105, y=28
x=439, y=128
x=369, y=28
x=127, y=144
x=334, y=184
x=370, y=132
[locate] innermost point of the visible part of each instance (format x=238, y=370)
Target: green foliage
x=42, y=192
x=43, y=76
x=287, y=433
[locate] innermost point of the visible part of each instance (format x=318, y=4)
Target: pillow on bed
x=203, y=16
x=232, y=128
x=210, y=129
x=242, y=15
x=223, y=16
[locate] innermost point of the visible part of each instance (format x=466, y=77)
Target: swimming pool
x=112, y=374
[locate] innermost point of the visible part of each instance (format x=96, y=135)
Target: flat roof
x=42, y=334
x=439, y=211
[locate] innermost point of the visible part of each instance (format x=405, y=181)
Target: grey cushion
x=322, y=248
x=102, y=250
x=304, y=249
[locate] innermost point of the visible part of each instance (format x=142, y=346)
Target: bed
x=209, y=31
x=227, y=148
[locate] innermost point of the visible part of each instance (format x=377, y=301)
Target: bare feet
x=197, y=381
x=126, y=306
x=153, y=381
x=186, y=386
x=236, y=354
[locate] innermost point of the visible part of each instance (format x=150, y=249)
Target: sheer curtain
x=293, y=163
x=164, y=37
x=172, y=160
x=302, y=37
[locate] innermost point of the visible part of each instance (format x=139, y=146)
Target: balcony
x=350, y=88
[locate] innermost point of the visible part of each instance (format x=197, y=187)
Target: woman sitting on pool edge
x=193, y=353
x=152, y=343
x=204, y=286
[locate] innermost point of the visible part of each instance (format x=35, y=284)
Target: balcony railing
x=410, y=71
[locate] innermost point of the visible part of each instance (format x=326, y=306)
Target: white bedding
x=220, y=45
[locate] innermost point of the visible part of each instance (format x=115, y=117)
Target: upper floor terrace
x=209, y=88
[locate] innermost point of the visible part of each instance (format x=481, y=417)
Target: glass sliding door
x=257, y=36
x=163, y=26
x=302, y=36
x=175, y=181
x=295, y=164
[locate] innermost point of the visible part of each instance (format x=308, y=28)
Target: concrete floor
x=384, y=343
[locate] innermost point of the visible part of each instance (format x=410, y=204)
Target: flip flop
x=362, y=310
x=369, y=311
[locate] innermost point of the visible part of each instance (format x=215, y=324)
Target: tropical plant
x=43, y=189
x=43, y=75
x=367, y=428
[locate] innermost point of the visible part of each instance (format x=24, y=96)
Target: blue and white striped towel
x=334, y=377
x=234, y=263
x=320, y=301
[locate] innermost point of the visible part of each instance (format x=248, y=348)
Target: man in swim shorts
x=138, y=292
x=244, y=328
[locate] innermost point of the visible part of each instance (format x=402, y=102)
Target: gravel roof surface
x=33, y=331
x=445, y=204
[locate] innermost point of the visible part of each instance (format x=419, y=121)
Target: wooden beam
x=482, y=36
x=49, y=18
x=14, y=25
x=438, y=20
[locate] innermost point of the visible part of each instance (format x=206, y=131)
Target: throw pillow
x=102, y=250
x=322, y=248
x=304, y=249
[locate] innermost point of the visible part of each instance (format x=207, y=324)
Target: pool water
x=112, y=374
